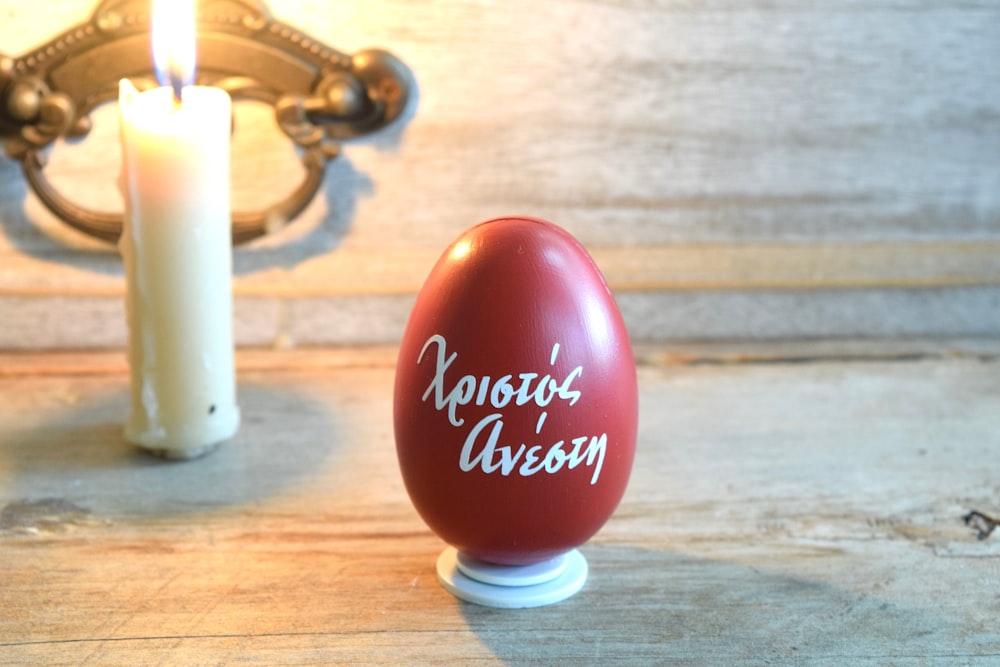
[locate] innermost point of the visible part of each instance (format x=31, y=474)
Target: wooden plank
x=717, y=157
x=805, y=513
x=99, y=322
x=397, y=271
x=754, y=121
x=91, y=362
x=316, y=359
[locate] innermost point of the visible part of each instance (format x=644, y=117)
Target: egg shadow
x=648, y=607
x=79, y=457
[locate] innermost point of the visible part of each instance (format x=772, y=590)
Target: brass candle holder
x=320, y=96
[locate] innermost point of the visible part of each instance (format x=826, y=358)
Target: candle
x=177, y=250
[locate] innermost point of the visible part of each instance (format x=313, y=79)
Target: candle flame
x=174, y=43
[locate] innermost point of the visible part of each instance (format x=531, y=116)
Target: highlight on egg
x=515, y=399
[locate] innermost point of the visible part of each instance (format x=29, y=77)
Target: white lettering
x=437, y=384
x=502, y=392
x=482, y=448
x=492, y=456
x=467, y=461
x=528, y=468
x=541, y=421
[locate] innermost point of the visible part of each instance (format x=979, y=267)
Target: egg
x=515, y=400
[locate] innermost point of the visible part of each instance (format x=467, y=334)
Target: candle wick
x=176, y=84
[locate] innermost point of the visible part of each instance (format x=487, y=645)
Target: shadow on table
x=682, y=610
x=77, y=461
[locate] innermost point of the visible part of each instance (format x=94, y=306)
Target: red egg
x=515, y=401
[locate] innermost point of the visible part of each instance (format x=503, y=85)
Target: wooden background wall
x=739, y=169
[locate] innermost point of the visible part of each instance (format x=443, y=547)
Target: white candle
x=177, y=250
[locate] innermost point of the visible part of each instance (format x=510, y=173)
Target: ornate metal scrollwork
x=320, y=96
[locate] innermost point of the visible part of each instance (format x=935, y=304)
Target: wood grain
x=726, y=146
x=792, y=513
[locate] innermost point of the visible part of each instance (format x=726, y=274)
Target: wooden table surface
x=789, y=505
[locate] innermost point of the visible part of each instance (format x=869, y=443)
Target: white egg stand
x=511, y=586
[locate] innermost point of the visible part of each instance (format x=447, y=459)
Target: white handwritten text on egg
x=490, y=456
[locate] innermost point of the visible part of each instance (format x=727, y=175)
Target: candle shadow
x=40, y=235
x=48, y=241
x=342, y=186
x=18, y=229
x=77, y=458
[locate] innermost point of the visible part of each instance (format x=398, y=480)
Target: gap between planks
x=687, y=267
x=312, y=359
